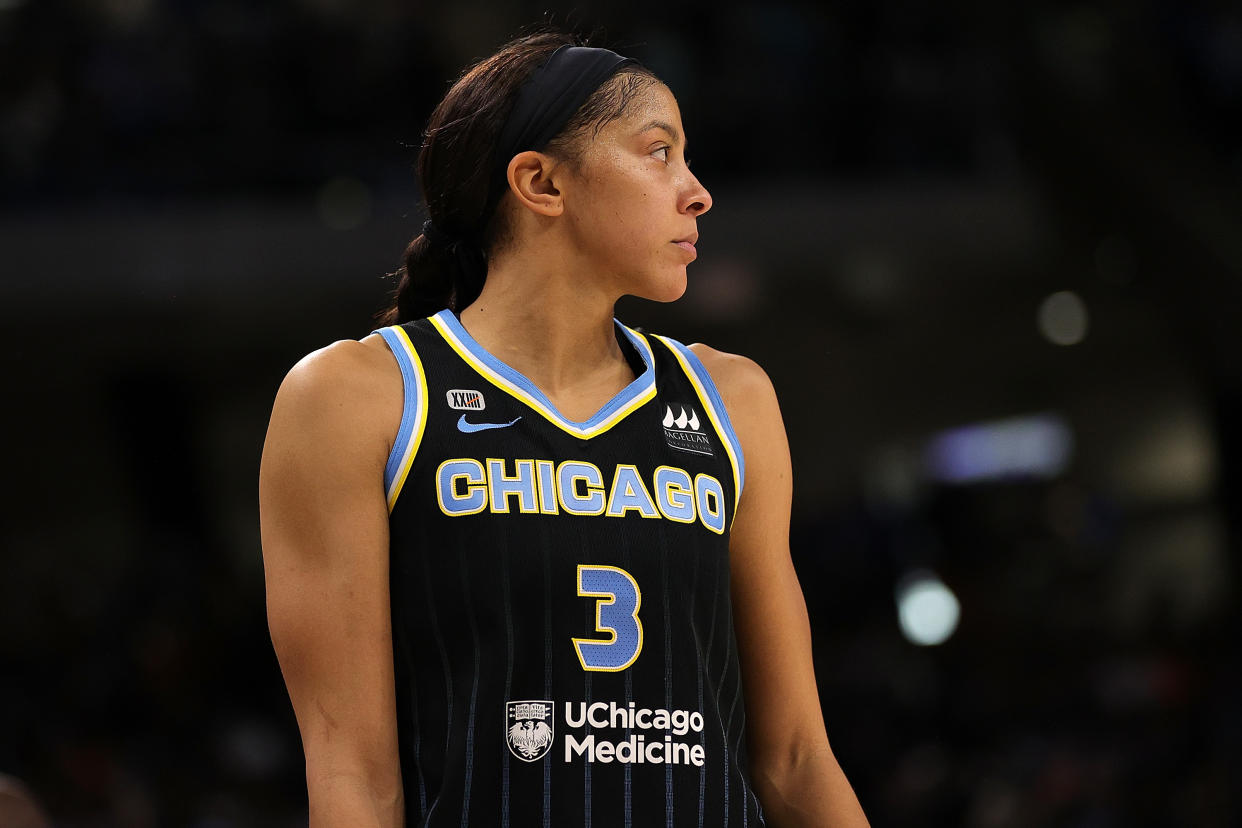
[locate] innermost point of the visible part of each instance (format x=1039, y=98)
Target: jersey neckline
x=517, y=385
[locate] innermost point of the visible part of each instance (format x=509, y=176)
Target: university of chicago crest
x=528, y=729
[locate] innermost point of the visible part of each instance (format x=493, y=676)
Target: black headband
x=549, y=98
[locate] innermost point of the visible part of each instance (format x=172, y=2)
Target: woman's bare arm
x=324, y=521
x=793, y=768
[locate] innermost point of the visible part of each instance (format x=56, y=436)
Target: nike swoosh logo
x=470, y=428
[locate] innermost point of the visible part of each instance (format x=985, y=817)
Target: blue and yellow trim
x=630, y=398
x=709, y=396
x=413, y=414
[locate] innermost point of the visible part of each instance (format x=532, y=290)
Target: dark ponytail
x=436, y=276
x=455, y=172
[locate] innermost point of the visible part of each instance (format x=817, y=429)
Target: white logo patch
x=681, y=431
x=464, y=399
x=529, y=729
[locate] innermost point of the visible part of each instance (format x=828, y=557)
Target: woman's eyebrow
x=667, y=127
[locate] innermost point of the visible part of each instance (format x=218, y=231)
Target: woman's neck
x=559, y=336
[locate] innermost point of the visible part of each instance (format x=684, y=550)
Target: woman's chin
x=669, y=290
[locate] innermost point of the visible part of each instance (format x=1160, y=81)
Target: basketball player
x=526, y=565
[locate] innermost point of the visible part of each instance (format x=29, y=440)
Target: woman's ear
x=532, y=179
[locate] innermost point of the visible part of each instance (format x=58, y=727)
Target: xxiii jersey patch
x=562, y=634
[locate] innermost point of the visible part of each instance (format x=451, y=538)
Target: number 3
x=616, y=613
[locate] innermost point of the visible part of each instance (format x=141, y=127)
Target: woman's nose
x=698, y=200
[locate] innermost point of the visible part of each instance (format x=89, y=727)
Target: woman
x=521, y=560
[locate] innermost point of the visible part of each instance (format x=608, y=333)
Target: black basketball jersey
x=562, y=633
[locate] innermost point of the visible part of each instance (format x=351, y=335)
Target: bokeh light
x=1062, y=318
x=927, y=610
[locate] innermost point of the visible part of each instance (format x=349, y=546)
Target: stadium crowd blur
x=991, y=256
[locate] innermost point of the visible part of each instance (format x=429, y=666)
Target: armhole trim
x=709, y=396
x=413, y=414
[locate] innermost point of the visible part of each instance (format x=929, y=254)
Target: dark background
x=195, y=193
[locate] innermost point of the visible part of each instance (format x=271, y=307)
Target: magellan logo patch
x=681, y=431
x=465, y=399
x=528, y=729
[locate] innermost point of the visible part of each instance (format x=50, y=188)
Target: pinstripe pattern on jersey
x=448, y=678
x=504, y=757
x=628, y=800
x=632, y=397
x=728, y=722
x=413, y=414
x=699, y=669
x=404, y=653
x=547, y=676
x=668, y=686
x=586, y=766
x=724, y=730
x=474, y=692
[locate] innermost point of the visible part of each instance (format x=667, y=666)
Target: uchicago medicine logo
x=606, y=732
x=529, y=729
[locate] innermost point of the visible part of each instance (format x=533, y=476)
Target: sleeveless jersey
x=562, y=634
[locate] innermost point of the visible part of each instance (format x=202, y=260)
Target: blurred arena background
x=990, y=254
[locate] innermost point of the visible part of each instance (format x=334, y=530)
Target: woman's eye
x=664, y=157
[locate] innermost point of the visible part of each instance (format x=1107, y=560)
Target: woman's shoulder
x=347, y=365
x=744, y=386
x=736, y=376
x=350, y=383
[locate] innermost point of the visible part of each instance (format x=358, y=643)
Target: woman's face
x=633, y=203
